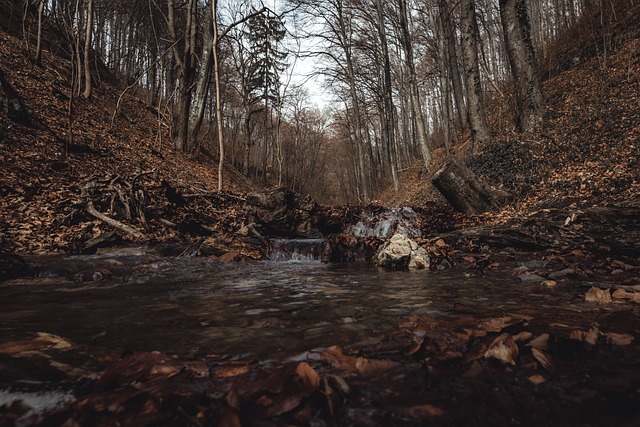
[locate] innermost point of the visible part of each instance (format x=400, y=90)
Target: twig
x=112, y=222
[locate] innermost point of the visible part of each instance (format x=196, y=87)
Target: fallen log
x=462, y=189
x=112, y=222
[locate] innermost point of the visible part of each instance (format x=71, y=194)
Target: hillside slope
x=590, y=151
x=43, y=176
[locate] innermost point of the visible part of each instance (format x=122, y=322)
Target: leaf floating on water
x=543, y=358
x=597, y=295
x=503, y=348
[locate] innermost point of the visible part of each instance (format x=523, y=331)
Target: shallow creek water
x=188, y=306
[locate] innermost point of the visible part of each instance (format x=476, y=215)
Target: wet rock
x=347, y=248
x=283, y=213
x=11, y=266
x=401, y=252
x=92, y=275
x=561, y=273
x=231, y=256
x=296, y=249
x=530, y=278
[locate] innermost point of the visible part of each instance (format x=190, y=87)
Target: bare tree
x=522, y=58
x=469, y=30
x=87, y=48
x=416, y=105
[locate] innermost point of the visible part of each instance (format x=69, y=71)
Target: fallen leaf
x=597, y=295
x=587, y=337
x=618, y=339
x=373, y=367
x=308, y=375
x=422, y=410
x=41, y=341
x=623, y=294
x=523, y=336
x=540, y=342
x=504, y=349
x=549, y=283
x=497, y=324
x=543, y=358
x=537, y=379
x=228, y=372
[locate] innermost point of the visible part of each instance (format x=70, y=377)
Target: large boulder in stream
x=284, y=213
x=400, y=252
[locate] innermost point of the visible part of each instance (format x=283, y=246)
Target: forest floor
x=572, y=224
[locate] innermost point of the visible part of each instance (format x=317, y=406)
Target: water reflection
x=188, y=307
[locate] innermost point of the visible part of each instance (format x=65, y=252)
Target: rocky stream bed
x=534, y=322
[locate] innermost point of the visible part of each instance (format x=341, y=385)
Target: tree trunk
x=414, y=94
x=462, y=189
x=452, y=58
x=87, y=47
x=522, y=58
x=204, y=77
x=38, y=56
x=364, y=186
x=388, y=122
x=216, y=72
x=469, y=28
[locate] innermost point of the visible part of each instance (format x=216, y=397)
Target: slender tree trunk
x=38, y=56
x=387, y=122
x=522, y=58
x=452, y=60
x=445, y=92
x=364, y=187
x=469, y=28
x=207, y=59
x=216, y=72
x=414, y=94
x=87, y=47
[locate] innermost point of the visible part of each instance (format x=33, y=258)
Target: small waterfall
x=383, y=225
x=296, y=249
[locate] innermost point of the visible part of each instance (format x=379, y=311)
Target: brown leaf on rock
x=626, y=295
x=588, y=337
x=503, y=348
x=540, y=342
x=523, y=336
x=543, y=358
x=618, y=339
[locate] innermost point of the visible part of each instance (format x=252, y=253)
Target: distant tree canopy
x=403, y=78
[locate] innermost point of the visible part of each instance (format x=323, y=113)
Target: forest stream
x=414, y=334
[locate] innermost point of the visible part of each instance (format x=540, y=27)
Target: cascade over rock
x=283, y=213
x=401, y=252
